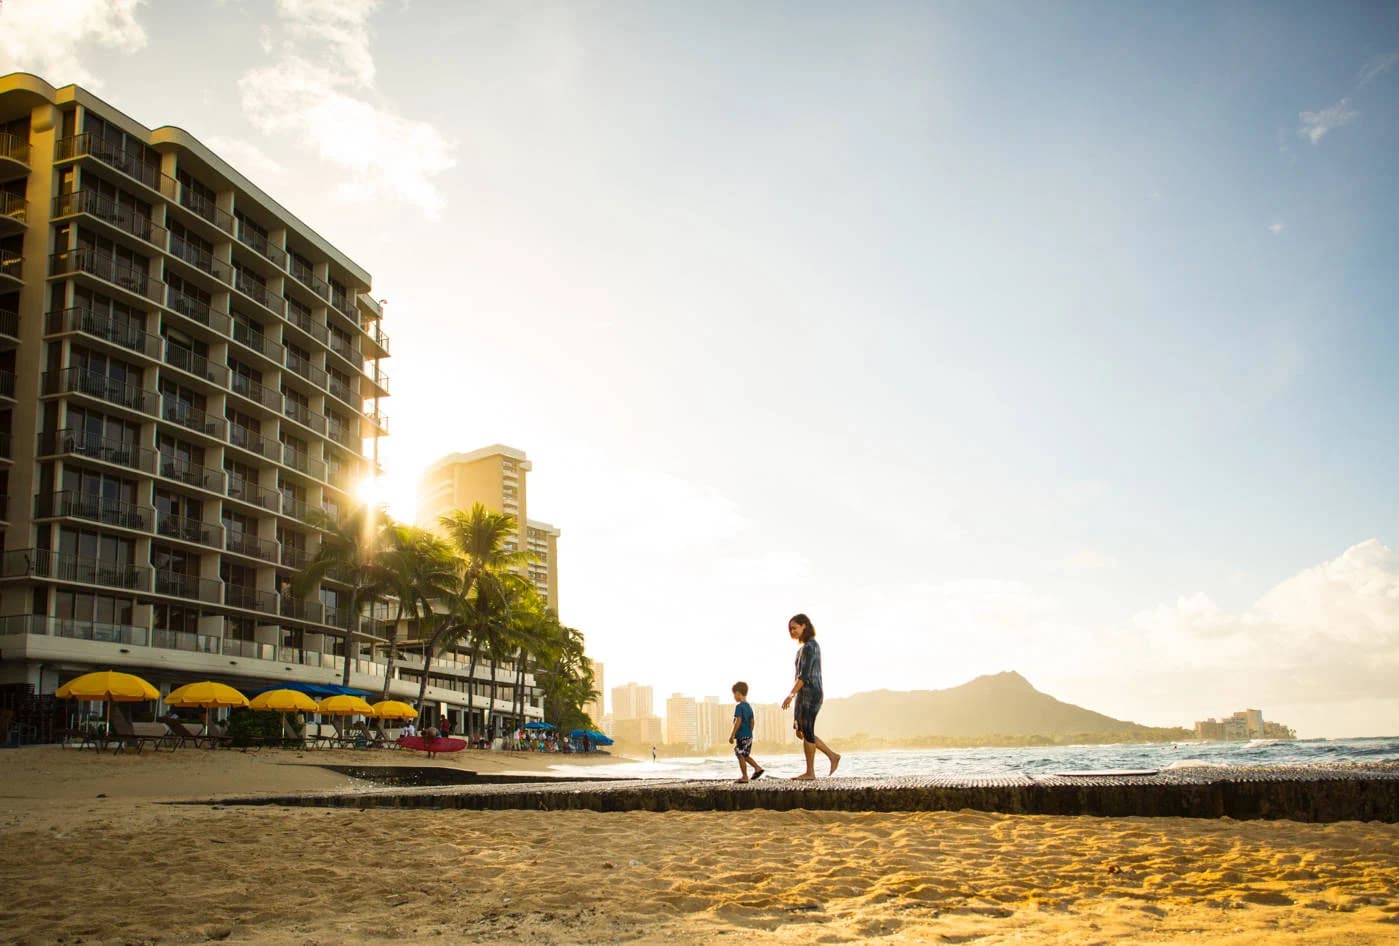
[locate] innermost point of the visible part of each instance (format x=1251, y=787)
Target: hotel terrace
x=186, y=371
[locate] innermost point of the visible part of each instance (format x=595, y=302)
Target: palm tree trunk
x=519, y=694
x=422, y=684
x=490, y=662
x=471, y=687
x=393, y=651
x=350, y=636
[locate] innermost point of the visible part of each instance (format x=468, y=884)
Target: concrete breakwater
x=1297, y=793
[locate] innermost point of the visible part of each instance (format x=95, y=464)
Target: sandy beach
x=94, y=855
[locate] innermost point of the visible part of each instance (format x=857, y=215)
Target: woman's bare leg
x=831, y=755
x=809, y=750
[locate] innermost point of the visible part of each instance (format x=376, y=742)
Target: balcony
x=112, y=154
x=204, y=208
x=308, y=325
x=187, y=586
x=293, y=557
x=303, y=275
x=304, y=416
x=300, y=366
x=14, y=212
x=261, y=245
x=296, y=508
x=200, y=259
x=14, y=156
x=43, y=563
x=344, y=303
x=342, y=391
x=77, y=380
x=178, y=356
x=107, y=450
x=241, y=596
x=194, y=309
x=247, y=439
x=11, y=270
x=106, y=327
x=167, y=639
x=303, y=462
x=243, y=543
x=312, y=611
x=340, y=433
x=258, y=292
x=377, y=424
x=110, y=512
x=191, y=474
x=247, y=491
x=117, y=272
x=190, y=417
x=374, y=334
x=186, y=529
x=9, y=325
x=251, y=338
x=41, y=625
x=347, y=351
x=7, y=385
x=249, y=649
x=375, y=383
x=255, y=392
x=111, y=212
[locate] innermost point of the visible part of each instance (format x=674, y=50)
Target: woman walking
x=806, y=690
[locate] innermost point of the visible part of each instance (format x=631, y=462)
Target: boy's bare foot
x=835, y=763
x=804, y=777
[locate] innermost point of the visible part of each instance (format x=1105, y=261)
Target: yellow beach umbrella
x=108, y=686
x=206, y=693
x=343, y=704
x=394, y=709
x=284, y=701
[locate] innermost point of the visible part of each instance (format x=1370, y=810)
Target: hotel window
x=83, y=606
x=86, y=544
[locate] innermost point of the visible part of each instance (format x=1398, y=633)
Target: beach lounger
x=123, y=735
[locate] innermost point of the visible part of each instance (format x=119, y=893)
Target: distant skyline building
x=680, y=727
x=713, y=722
x=597, y=709
x=1243, y=724
x=633, y=701
x=497, y=478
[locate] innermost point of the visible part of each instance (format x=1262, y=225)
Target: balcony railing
x=236, y=540
x=187, y=586
x=186, y=360
x=294, y=557
x=305, y=369
x=379, y=378
x=303, y=462
x=11, y=265
x=192, y=308
x=257, y=393
x=303, y=275
x=112, y=512
x=42, y=563
x=342, y=391
x=9, y=323
x=251, y=238
x=115, y=271
x=192, y=418
x=112, y=154
x=41, y=625
x=296, y=508
x=186, y=640
x=241, y=596
x=7, y=384
x=308, y=325
x=340, y=433
x=346, y=351
x=103, y=325
x=258, y=292
x=247, y=439
x=304, y=416
x=312, y=611
x=77, y=380
x=245, y=490
x=258, y=342
x=249, y=649
x=344, y=303
x=14, y=147
x=203, y=207
x=14, y=207
x=201, y=259
x=191, y=474
x=106, y=449
x=105, y=208
x=190, y=530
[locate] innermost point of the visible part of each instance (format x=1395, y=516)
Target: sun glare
x=402, y=502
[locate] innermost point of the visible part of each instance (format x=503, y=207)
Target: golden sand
x=123, y=869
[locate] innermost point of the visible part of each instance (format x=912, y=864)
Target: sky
x=1050, y=338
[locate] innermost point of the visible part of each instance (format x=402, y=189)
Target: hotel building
x=497, y=478
x=187, y=371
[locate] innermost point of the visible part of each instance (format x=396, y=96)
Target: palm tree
x=566, y=678
x=419, y=569
x=351, y=550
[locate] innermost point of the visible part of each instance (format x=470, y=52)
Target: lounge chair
x=123, y=735
x=180, y=734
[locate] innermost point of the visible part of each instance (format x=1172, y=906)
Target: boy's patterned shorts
x=742, y=746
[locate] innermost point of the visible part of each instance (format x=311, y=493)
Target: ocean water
x=1033, y=761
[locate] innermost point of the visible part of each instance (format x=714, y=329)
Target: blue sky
x=996, y=336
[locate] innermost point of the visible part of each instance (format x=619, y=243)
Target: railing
x=115, y=156
x=112, y=512
x=190, y=530
x=5, y=445
x=258, y=342
x=305, y=369
x=105, y=208
x=303, y=275
x=192, y=587
x=296, y=508
x=302, y=610
x=191, y=474
x=346, y=351
x=255, y=392
x=77, y=380
x=192, y=418
x=304, y=416
x=7, y=384
x=94, y=447
x=380, y=378
x=244, y=489
x=200, y=258
x=236, y=540
x=41, y=625
x=344, y=303
x=10, y=264
x=117, y=272
x=241, y=596
x=377, y=336
x=256, y=241
x=294, y=557
x=308, y=325
x=379, y=419
x=104, y=326
x=192, y=308
x=341, y=390
x=9, y=323
x=42, y=563
x=246, y=439
x=203, y=207
x=186, y=360
x=185, y=640
x=258, y=292
x=14, y=147
x=340, y=475
x=252, y=650
x=340, y=433
x=303, y=462
x=13, y=206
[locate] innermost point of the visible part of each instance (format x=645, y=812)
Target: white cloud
x=49, y=37
x=1276, y=227
x=250, y=160
x=320, y=92
x=1375, y=68
x=1317, y=125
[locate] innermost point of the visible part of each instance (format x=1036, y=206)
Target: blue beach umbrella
x=536, y=724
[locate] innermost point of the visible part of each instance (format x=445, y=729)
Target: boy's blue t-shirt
x=744, y=714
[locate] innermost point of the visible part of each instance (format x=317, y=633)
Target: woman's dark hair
x=808, y=629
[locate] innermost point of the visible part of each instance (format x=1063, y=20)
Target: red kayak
x=437, y=744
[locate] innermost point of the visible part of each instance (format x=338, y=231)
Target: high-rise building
x=632, y=701
x=188, y=373
x=713, y=722
x=680, y=723
x=496, y=477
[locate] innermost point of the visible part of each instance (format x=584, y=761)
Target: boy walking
x=741, y=736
